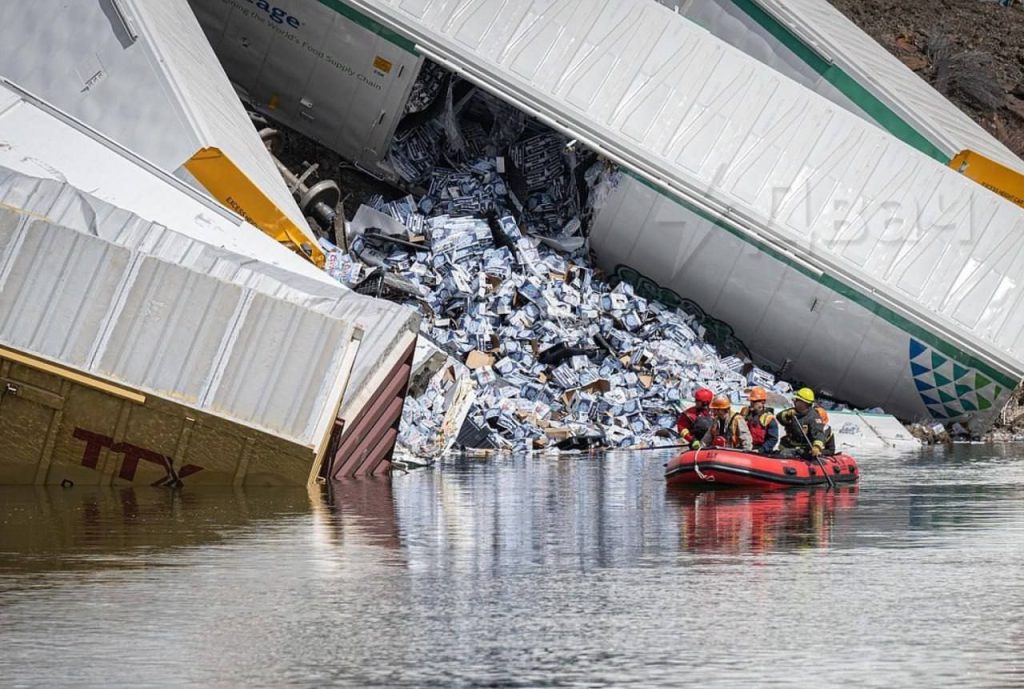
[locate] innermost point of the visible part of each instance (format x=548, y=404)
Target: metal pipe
x=318, y=201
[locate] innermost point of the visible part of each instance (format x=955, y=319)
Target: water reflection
x=527, y=571
x=741, y=522
x=86, y=527
x=363, y=509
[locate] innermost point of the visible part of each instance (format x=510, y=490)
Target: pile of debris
x=555, y=352
x=494, y=255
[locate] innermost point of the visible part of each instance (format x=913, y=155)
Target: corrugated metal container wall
x=76, y=299
x=387, y=328
x=143, y=74
x=815, y=44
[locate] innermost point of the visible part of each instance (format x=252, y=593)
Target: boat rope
x=696, y=468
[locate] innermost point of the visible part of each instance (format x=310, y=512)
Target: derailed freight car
x=838, y=254
x=143, y=74
x=199, y=351
x=811, y=42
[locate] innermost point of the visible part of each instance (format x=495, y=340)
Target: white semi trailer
x=839, y=254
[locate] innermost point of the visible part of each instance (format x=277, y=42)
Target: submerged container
x=147, y=335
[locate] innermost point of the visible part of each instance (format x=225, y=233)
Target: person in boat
x=727, y=429
x=693, y=423
x=762, y=424
x=807, y=422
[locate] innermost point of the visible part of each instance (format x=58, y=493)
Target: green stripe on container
x=841, y=288
x=371, y=25
x=847, y=85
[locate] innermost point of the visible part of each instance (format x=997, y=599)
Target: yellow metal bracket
x=994, y=176
x=229, y=185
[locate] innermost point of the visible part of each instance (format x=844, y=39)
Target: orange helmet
x=721, y=402
x=758, y=394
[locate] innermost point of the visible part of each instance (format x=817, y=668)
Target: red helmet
x=703, y=395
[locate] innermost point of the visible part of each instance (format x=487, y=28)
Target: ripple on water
x=525, y=572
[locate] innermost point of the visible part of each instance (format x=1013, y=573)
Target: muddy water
x=527, y=572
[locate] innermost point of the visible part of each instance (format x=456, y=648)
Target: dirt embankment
x=972, y=51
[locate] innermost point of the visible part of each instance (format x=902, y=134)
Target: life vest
x=822, y=414
x=758, y=425
x=724, y=432
x=693, y=424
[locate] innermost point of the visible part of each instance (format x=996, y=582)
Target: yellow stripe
x=229, y=185
x=993, y=176
x=73, y=376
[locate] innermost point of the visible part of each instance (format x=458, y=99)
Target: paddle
x=831, y=483
x=655, y=447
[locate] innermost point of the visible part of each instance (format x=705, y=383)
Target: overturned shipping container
x=811, y=42
x=143, y=74
x=840, y=255
x=131, y=351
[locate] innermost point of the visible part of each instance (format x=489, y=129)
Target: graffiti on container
x=133, y=454
x=716, y=332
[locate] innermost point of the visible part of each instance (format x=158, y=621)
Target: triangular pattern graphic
x=925, y=360
x=916, y=348
x=946, y=370
x=917, y=369
x=945, y=386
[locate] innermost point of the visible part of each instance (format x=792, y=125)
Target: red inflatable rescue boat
x=710, y=468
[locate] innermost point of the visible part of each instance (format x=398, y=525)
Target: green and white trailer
x=839, y=254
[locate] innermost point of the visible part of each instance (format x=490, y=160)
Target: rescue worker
x=805, y=421
x=763, y=426
x=694, y=422
x=727, y=429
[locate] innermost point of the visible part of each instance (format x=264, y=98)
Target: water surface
x=525, y=572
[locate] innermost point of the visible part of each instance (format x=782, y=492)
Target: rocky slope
x=970, y=50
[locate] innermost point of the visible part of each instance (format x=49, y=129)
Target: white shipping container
x=143, y=74
x=813, y=43
x=193, y=316
x=319, y=68
x=838, y=254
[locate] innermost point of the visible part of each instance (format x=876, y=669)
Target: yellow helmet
x=805, y=394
